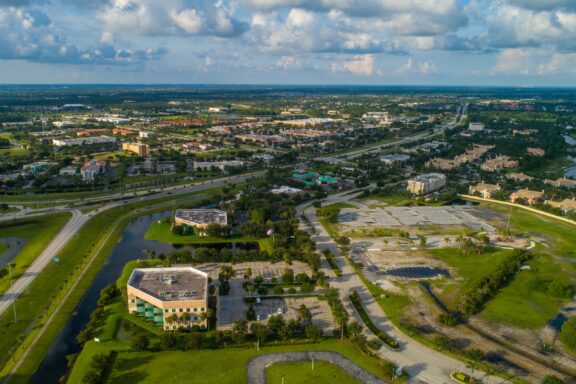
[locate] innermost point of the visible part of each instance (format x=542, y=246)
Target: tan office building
x=171, y=298
x=137, y=148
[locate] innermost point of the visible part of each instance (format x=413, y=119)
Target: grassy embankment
x=160, y=231
x=39, y=231
x=87, y=251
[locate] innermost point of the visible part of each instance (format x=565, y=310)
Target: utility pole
x=508, y=223
x=13, y=294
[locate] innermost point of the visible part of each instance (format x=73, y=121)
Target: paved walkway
x=256, y=369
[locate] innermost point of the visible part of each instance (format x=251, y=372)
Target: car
x=258, y=317
x=258, y=300
x=279, y=311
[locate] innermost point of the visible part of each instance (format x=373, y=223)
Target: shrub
x=568, y=333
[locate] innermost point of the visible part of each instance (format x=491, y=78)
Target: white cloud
x=177, y=17
x=360, y=65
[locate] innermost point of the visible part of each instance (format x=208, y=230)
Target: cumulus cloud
x=515, y=61
x=299, y=33
x=178, y=17
x=360, y=65
x=29, y=34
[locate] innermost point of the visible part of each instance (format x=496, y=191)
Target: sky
x=373, y=42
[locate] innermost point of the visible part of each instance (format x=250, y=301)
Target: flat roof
x=170, y=284
x=203, y=216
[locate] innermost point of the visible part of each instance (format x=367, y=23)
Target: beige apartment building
x=171, y=298
x=531, y=197
x=427, y=183
x=485, y=190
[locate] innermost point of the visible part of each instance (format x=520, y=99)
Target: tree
x=239, y=330
x=552, y=380
x=140, y=342
x=92, y=377
x=259, y=331
x=250, y=313
x=304, y=314
x=313, y=332
x=168, y=340
x=288, y=276
x=423, y=240
x=275, y=324
x=354, y=329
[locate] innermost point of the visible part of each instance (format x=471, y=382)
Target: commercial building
x=146, y=134
x=200, y=218
x=171, y=298
x=394, y=159
x=91, y=169
x=476, y=127
x=221, y=165
x=287, y=190
x=68, y=171
x=485, y=190
x=530, y=197
x=137, y=148
x=427, y=183
x=83, y=141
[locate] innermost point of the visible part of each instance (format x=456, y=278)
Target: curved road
x=425, y=365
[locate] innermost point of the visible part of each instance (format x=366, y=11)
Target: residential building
x=519, y=176
x=525, y=132
x=536, y=151
x=123, y=132
x=485, y=190
x=427, y=183
x=566, y=205
x=91, y=169
x=138, y=148
x=530, y=197
x=200, y=218
x=171, y=298
x=562, y=182
x=498, y=163
x=92, y=132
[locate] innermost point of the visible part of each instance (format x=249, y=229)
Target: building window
x=165, y=311
x=187, y=309
x=180, y=310
x=202, y=309
x=167, y=328
x=195, y=309
x=195, y=318
x=174, y=310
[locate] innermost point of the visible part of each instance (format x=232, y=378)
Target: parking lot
x=267, y=270
x=412, y=216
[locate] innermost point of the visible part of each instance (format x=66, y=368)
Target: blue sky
x=409, y=42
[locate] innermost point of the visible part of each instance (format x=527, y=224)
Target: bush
x=552, y=380
x=140, y=342
x=447, y=319
x=568, y=333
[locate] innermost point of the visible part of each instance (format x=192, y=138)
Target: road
x=424, y=365
x=78, y=220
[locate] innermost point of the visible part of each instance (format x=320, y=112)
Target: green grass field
x=160, y=231
x=471, y=269
x=521, y=305
x=39, y=231
x=302, y=373
x=222, y=366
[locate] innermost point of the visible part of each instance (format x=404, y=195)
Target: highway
x=78, y=220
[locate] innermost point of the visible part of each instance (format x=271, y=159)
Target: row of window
x=182, y=310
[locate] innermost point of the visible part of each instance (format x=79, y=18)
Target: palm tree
x=447, y=240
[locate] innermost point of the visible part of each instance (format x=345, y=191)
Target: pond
x=131, y=247
x=15, y=245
